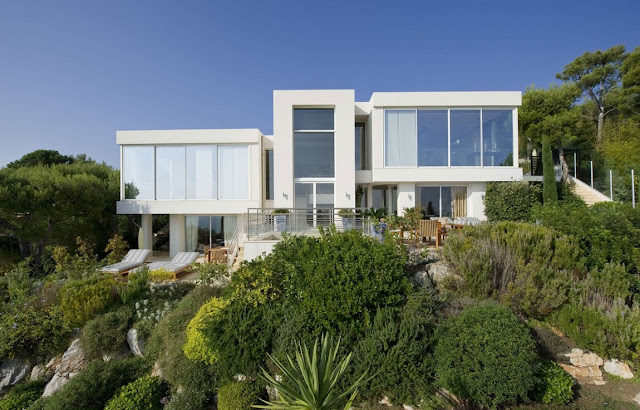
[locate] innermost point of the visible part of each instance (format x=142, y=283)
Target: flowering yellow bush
x=160, y=275
x=197, y=346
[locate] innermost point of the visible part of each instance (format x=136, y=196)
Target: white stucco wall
x=343, y=103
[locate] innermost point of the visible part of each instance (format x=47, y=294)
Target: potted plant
x=280, y=216
x=348, y=218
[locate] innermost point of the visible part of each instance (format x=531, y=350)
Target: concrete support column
x=475, y=200
x=176, y=234
x=406, y=197
x=147, y=229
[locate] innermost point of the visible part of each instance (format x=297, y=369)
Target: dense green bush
x=510, y=201
x=198, y=346
x=106, y=333
x=335, y=280
x=94, y=386
x=528, y=267
x=28, y=330
x=212, y=272
x=144, y=393
x=22, y=395
x=238, y=395
x=607, y=232
x=137, y=285
x=486, y=355
x=397, y=352
x=554, y=385
x=197, y=380
x=82, y=299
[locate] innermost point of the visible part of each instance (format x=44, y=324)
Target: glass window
x=379, y=197
x=433, y=135
x=497, y=137
x=465, y=138
x=429, y=199
x=203, y=232
x=233, y=172
x=202, y=172
x=442, y=201
x=269, y=174
x=324, y=203
x=400, y=138
x=138, y=172
x=305, y=119
x=360, y=149
x=313, y=154
x=170, y=173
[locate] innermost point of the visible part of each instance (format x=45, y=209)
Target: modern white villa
x=327, y=151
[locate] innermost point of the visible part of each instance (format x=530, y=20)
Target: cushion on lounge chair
x=133, y=258
x=179, y=262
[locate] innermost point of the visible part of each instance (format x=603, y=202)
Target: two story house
x=398, y=150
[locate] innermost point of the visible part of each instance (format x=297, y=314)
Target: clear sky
x=74, y=72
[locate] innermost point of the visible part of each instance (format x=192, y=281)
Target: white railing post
x=575, y=165
x=633, y=189
x=591, y=174
x=611, y=184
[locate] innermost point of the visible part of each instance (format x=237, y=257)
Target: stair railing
x=236, y=240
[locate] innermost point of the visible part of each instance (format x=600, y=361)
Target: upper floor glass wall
x=360, y=143
x=313, y=143
x=186, y=172
x=448, y=137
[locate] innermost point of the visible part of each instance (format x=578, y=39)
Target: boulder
x=72, y=361
x=385, y=401
x=421, y=278
x=618, y=368
x=439, y=271
x=50, y=368
x=584, y=374
x=38, y=372
x=156, y=371
x=136, y=344
x=12, y=371
x=581, y=358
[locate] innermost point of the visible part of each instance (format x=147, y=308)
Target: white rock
x=136, y=344
x=407, y=407
x=618, y=368
x=385, y=401
x=73, y=361
x=12, y=371
x=156, y=371
x=637, y=398
x=439, y=271
x=580, y=358
x=37, y=372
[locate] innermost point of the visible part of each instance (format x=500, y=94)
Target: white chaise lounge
x=133, y=259
x=180, y=262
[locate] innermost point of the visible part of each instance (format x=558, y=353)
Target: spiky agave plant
x=310, y=382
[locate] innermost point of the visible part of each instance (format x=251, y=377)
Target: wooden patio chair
x=428, y=229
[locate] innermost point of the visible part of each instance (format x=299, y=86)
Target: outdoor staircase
x=239, y=258
x=589, y=195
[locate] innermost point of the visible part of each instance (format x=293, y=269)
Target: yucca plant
x=310, y=382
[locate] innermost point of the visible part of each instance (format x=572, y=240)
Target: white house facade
x=437, y=150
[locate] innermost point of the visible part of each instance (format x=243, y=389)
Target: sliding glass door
x=442, y=201
x=204, y=232
x=317, y=198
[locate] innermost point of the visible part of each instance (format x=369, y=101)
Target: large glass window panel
x=429, y=199
x=202, y=172
x=313, y=154
x=446, y=202
x=197, y=233
x=313, y=119
x=233, y=172
x=433, y=132
x=497, y=137
x=324, y=203
x=379, y=197
x=360, y=147
x=170, y=173
x=269, y=190
x=138, y=172
x=303, y=199
x=465, y=138
x=400, y=138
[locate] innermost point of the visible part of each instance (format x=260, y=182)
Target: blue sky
x=72, y=73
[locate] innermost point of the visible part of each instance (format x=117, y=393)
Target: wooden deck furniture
x=218, y=254
x=428, y=229
x=133, y=259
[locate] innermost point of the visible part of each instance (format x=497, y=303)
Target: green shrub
x=238, y=395
x=197, y=380
x=398, y=351
x=161, y=275
x=106, y=333
x=116, y=248
x=198, y=347
x=486, y=355
x=212, y=272
x=607, y=232
x=528, y=267
x=94, y=386
x=144, y=393
x=82, y=263
x=554, y=385
x=22, y=395
x=80, y=300
x=29, y=330
x=510, y=201
x=549, y=188
x=137, y=285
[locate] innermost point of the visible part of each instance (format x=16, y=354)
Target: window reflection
x=138, y=172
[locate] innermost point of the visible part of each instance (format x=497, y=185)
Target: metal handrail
x=235, y=243
x=263, y=223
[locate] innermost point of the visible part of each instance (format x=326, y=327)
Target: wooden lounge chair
x=218, y=255
x=428, y=229
x=179, y=263
x=133, y=259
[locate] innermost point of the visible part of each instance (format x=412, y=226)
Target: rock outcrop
x=72, y=362
x=136, y=344
x=618, y=368
x=12, y=371
x=584, y=367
